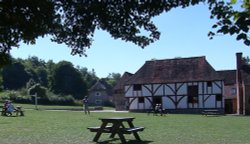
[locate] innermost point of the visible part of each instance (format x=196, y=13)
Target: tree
x=74, y=22
x=66, y=80
x=89, y=77
x=113, y=78
x=37, y=69
x=231, y=20
x=14, y=76
x=246, y=60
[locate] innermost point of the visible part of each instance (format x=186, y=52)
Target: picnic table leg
x=135, y=133
x=116, y=130
x=123, y=140
x=99, y=132
x=113, y=131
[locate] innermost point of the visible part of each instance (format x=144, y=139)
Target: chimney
x=239, y=83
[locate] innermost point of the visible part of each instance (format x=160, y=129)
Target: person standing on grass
x=86, y=105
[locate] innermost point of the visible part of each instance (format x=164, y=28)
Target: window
x=157, y=100
x=192, y=94
x=219, y=97
x=137, y=87
x=97, y=94
x=209, y=84
x=141, y=100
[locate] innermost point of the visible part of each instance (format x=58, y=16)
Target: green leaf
x=241, y=36
x=233, y=2
x=247, y=42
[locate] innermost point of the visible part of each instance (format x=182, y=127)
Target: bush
x=62, y=100
x=23, y=99
x=22, y=96
x=16, y=96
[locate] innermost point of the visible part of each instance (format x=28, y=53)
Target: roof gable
x=175, y=70
x=120, y=84
x=229, y=76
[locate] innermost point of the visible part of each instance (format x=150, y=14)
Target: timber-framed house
x=181, y=85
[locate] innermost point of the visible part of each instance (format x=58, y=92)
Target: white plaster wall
x=200, y=87
x=210, y=102
x=219, y=104
x=133, y=105
x=129, y=91
x=141, y=106
x=209, y=90
x=168, y=104
x=205, y=88
x=182, y=103
x=217, y=89
x=137, y=93
x=169, y=91
x=158, y=89
x=145, y=91
x=147, y=104
x=182, y=90
x=200, y=101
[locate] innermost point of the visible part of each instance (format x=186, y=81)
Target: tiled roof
x=229, y=76
x=175, y=70
x=98, y=86
x=120, y=84
x=101, y=85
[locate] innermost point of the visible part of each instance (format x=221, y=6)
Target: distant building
x=120, y=101
x=186, y=85
x=230, y=90
x=100, y=94
x=243, y=85
x=182, y=85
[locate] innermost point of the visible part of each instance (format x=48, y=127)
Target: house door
x=157, y=100
x=228, y=106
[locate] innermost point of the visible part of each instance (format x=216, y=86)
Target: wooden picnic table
x=115, y=126
x=18, y=110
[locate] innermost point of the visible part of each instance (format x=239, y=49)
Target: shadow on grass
x=117, y=140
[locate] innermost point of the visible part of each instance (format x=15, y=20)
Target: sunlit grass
x=42, y=107
x=70, y=127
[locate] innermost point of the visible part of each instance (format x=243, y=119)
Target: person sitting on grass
x=10, y=108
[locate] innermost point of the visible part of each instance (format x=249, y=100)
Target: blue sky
x=183, y=34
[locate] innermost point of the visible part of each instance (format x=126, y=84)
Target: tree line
x=60, y=83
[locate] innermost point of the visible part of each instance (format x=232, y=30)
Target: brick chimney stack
x=239, y=83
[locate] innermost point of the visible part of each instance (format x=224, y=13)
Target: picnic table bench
x=207, y=112
x=117, y=127
x=18, y=110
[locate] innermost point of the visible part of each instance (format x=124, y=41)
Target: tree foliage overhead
x=74, y=22
x=232, y=20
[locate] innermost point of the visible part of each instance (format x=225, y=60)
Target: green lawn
x=42, y=107
x=69, y=127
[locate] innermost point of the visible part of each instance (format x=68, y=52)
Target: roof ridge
x=177, y=58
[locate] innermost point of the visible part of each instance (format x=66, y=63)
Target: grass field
x=44, y=107
x=70, y=127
